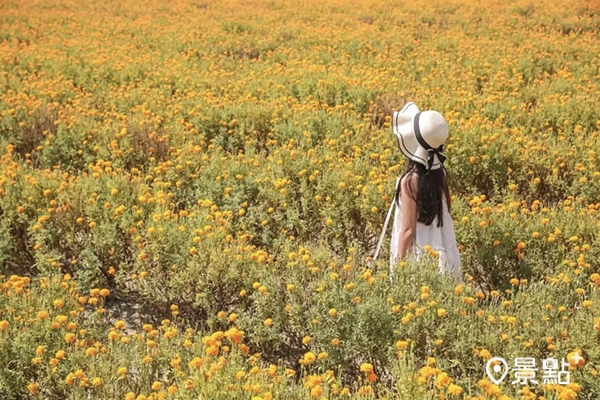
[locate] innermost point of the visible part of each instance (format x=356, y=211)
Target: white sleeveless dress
x=441, y=239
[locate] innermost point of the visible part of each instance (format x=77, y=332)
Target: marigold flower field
x=191, y=192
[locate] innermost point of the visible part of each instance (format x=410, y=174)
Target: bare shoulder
x=408, y=188
x=409, y=182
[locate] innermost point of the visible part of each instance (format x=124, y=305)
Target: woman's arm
x=408, y=229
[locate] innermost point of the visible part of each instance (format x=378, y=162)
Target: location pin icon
x=496, y=369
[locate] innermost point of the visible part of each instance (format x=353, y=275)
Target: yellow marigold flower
x=130, y=396
x=587, y=304
x=33, y=387
x=69, y=337
x=367, y=368
x=70, y=379
x=441, y=312
x=316, y=391
x=97, y=381
x=91, y=351
x=332, y=312
x=196, y=362
x=576, y=358
x=468, y=300
x=485, y=354
x=401, y=344
x=268, y=322
x=406, y=319
x=306, y=340
x=42, y=315
x=454, y=390
x=309, y=358
x=221, y=314
x=442, y=380
x=336, y=341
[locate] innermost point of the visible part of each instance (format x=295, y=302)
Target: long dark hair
x=431, y=191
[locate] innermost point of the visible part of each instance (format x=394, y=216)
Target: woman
x=422, y=215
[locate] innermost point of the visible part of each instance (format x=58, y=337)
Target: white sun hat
x=421, y=135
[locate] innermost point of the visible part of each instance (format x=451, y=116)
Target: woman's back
x=441, y=239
